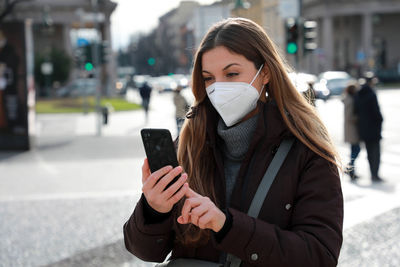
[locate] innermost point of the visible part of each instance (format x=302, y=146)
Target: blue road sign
x=82, y=42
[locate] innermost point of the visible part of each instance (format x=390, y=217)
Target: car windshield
x=337, y=83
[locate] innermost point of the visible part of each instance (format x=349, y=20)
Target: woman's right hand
x=154, y=184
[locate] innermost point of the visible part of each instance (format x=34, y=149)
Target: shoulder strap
x=269, y=177
x=263, y=188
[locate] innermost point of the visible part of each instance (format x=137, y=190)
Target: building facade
x=34, y=28
x=54, y=20
x=352, y=35
x=173, y=35
x=355, y=36
x=204, y=17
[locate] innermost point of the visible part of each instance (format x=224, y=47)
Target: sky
x=132, y=16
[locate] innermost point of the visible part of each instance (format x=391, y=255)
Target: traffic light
x=104, y=52
x=101, y=49
x=151, y=61
x=292, y=36
x=87, y=53
x=309, y=36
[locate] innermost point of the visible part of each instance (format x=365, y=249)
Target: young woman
x=245, y=105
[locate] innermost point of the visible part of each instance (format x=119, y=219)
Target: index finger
x=190, y=193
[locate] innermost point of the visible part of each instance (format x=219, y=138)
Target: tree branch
x=9, y=8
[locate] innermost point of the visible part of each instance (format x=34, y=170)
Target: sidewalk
x=64, y=202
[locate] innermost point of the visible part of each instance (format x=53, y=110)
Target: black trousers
x=374, y=156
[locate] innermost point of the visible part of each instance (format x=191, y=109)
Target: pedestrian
x=245, y=107
x=181, y=107
x=145, y=93
x=370, y=123
x=350, y=129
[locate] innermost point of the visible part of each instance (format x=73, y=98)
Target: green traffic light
x=88, y=66
x=151, y=61
x=291, y=48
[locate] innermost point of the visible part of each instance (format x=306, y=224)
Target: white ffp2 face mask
x=233, y=100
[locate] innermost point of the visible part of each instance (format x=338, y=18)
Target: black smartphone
x=160, y=150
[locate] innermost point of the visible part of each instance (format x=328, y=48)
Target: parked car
x=163, y=83
x=334, y=81
x=138, y=80
x=304, y=83
x=302, y=80
x=181, y=79
x=321, y=91
x=79, y=87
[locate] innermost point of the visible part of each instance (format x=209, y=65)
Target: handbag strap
x=263, y=188
x=269, y=177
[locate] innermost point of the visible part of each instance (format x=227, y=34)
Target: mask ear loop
x=255, y=77
x=258, y=72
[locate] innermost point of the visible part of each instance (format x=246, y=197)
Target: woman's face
x=221, y=65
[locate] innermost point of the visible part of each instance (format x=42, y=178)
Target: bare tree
x=7, y=7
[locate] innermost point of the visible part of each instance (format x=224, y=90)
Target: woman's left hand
x=202, y=212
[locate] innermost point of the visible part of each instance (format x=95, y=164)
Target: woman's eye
x=232, y=74
x=207, y=79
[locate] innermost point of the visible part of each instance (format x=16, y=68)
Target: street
x=65, y=202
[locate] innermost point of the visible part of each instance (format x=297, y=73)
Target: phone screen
x=160, y=149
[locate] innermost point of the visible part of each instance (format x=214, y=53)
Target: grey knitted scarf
x=236, y=143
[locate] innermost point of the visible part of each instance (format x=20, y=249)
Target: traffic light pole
x=300, y=53
x=297, y=62
x=96, y=63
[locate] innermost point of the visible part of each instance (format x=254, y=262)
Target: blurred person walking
x=351, y=135
x=370, y=123
x=181, y=107
x=246, y=112
x=145, y=93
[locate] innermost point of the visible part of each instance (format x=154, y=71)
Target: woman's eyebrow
x=230, y=65
x=226, y=67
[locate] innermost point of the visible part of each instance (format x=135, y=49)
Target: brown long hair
x=244, y=37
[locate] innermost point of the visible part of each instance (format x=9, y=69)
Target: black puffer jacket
x=300, y=222
x=369, y=115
